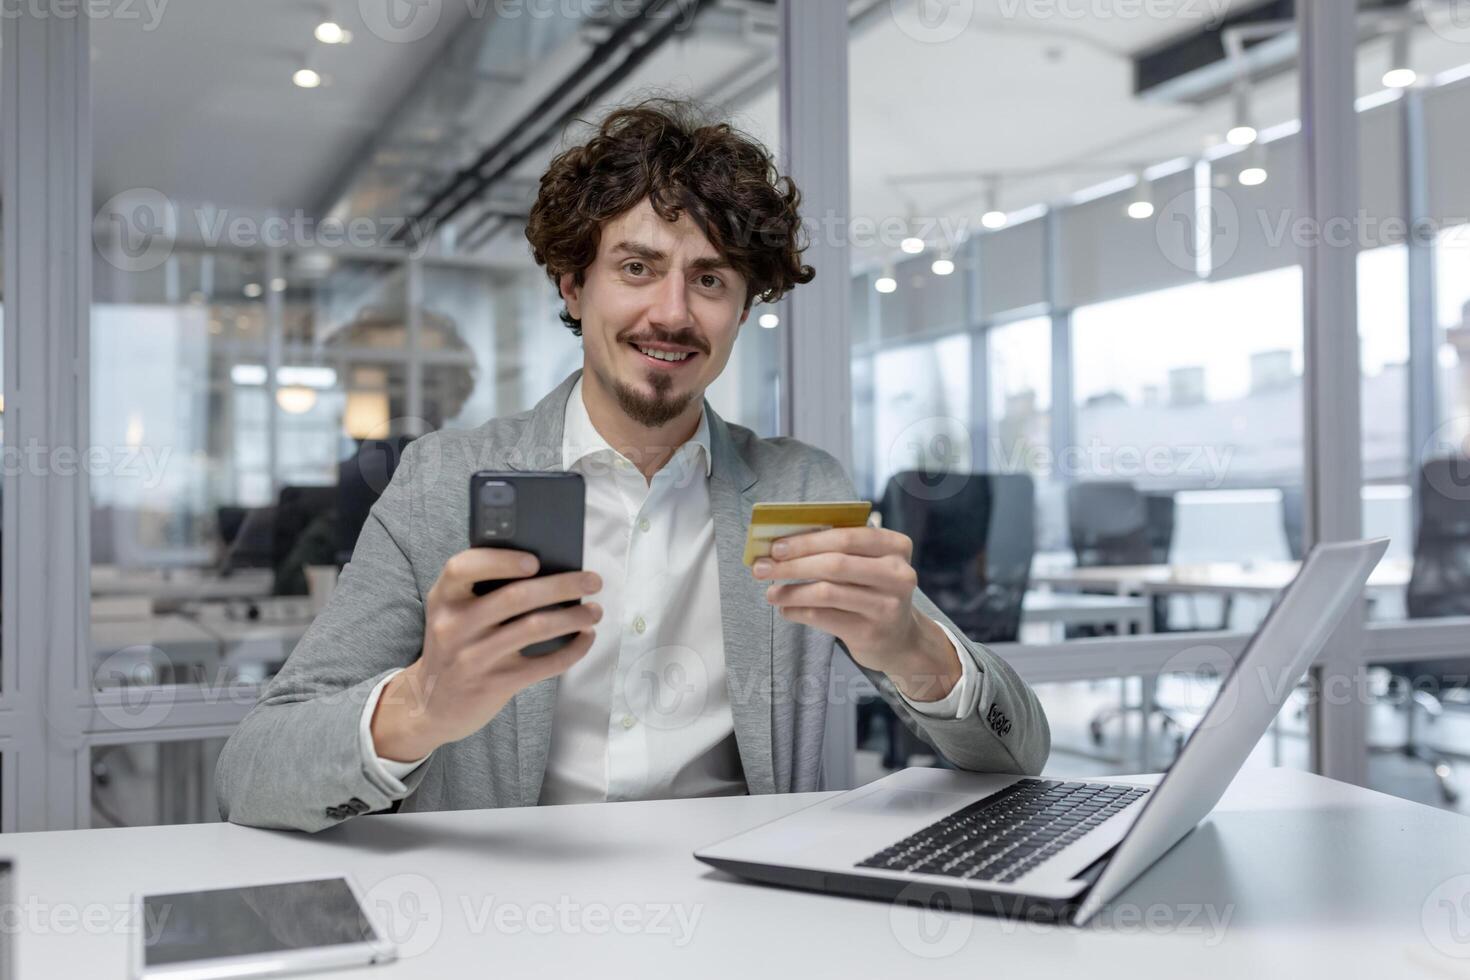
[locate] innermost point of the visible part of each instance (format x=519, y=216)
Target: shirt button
x=639, y=625
x=643, y=524
x=628, y=721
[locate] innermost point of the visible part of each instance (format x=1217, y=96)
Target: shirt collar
x=581, y=439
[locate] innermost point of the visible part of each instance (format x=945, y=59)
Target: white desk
x=172, y=588
x=1264, y=578
x=1081, y=609
x=1311, y=878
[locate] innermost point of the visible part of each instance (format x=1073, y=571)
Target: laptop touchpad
x=904, y=803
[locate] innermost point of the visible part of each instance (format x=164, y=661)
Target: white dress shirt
x=646, y=713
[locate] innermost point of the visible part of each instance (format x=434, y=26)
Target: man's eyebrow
x=650, y=254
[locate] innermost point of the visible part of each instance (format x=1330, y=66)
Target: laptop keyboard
x=1006, y=834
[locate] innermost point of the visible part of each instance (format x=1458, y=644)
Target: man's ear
x=571, y=294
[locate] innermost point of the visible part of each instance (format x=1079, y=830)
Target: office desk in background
x=172, y=588
x=1218, y=578
x=1293, y=876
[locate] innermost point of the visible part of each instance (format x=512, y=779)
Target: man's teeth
x=664, y=355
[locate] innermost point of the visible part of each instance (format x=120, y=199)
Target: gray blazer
x=295, y=761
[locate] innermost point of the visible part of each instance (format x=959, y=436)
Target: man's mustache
x=683, y=338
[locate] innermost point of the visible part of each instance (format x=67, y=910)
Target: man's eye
x=709, y=281
x=635, y=268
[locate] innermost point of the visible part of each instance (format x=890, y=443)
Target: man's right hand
x=472, y=665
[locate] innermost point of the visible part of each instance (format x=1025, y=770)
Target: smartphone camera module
x=497, y=510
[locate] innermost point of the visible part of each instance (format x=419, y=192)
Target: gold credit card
x=771, y=521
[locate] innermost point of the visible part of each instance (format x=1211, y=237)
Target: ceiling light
x=1400, y=77
x=886, y=283
x=913, y=245
x=1141, y=206
x=252, y=289
x=943, y=266
x=1399, y=74
x=331, y=32
x=769, y=320
x=248, y=374
x=1252, y=175
x=307, y=376
x=993, y=217
x=296, y=400
x=1243, y=133
x=306, y=78
x=278, y=284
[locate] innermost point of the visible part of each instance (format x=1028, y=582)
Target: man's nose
x=671, y=304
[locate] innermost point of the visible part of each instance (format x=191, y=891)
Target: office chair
x=361, y=480
x=1293, y=521
x=299, y=510
x=251, y=543
x=1439, y=586
x=974, y=537
x=1112, y=523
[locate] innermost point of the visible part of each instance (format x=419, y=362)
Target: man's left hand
x=857, y=584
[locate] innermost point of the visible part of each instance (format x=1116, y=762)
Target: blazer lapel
x=746, y=619
x=539, y=448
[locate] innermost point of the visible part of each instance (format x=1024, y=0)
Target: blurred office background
x=1076, y=326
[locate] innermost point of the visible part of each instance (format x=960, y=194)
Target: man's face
x=660, y=310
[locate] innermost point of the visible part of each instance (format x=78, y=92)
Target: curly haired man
x=690, y=674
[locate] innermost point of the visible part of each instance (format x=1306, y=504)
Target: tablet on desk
x=255, y=931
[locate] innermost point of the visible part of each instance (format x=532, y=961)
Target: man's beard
x=651, y=411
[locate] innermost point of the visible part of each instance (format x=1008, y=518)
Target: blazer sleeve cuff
x=388, y=772
x=960, y=701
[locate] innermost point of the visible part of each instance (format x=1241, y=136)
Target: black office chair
x=1112, y=523
x=974, y=537
x=1293, y=521
x=361, y=480
x=300, y=511
x=1439, y=586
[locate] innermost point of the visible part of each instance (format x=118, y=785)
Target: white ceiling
x=203, y=109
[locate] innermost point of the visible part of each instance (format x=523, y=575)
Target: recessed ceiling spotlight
x=331, y=32
x=306, y=78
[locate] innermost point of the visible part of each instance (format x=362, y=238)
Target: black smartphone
x=541, y=513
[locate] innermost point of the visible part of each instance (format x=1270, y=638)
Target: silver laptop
x=1051, y=848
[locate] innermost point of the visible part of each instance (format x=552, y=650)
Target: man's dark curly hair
x=671, y=152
